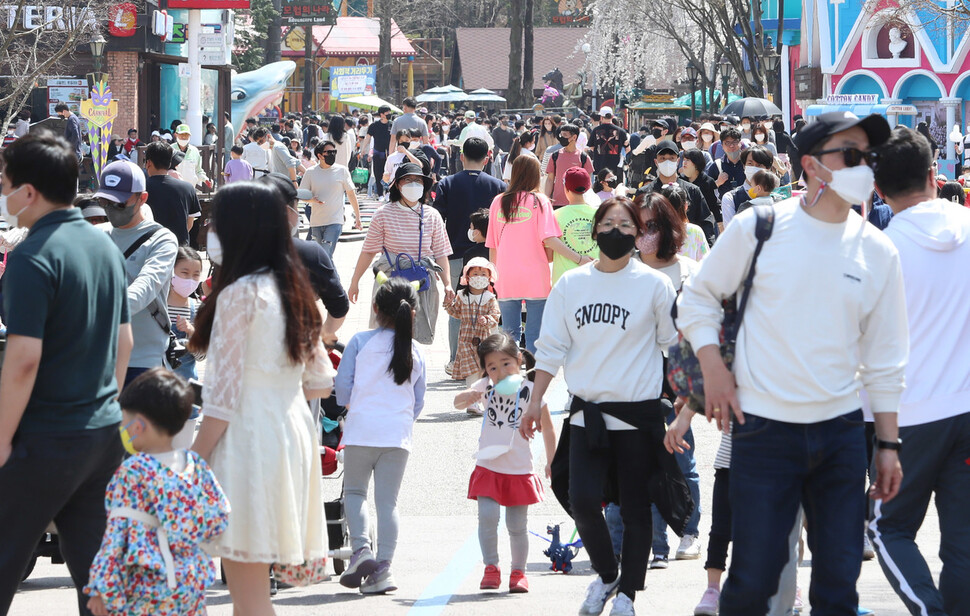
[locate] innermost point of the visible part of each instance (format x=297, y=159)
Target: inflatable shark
x=257, y=91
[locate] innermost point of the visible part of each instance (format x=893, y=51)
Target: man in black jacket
x=668, y=155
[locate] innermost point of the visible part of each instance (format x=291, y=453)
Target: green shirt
x=65, y=284
x=576, y=222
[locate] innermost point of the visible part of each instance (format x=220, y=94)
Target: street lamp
x=725, y=65
x=771, y=60
x=692, y=78
x=97, y=51
x=586, y=49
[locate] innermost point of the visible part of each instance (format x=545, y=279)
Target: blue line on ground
x=435, y=597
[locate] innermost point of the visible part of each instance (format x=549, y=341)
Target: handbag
x=407, y=267
x=360, y=175
x=310, y=572
x=684, y=370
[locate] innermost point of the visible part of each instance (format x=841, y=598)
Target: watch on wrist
x=891, y=445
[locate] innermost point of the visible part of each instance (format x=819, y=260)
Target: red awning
x=355, y=36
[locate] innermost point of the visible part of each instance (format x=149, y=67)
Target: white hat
x=479, y=262
x=708, y=126
x=606, y=111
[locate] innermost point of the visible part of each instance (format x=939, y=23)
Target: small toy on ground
x=561, y=554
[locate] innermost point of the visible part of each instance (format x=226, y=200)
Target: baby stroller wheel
x=29, y=569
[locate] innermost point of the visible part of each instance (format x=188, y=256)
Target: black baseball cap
x=667, y=145
x=828, y=124
x=285, y=185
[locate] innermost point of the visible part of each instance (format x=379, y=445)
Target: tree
x=384, y=67
x=513, y=93
x=252, y=28
x=41, y=38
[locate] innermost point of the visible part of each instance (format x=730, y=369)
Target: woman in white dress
x=260, y=329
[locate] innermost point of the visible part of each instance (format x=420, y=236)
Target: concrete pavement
x=438, y=562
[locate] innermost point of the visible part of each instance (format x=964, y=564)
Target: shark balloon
x=259, y=90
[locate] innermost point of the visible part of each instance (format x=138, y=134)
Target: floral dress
x=151, y=561
x=467, y=308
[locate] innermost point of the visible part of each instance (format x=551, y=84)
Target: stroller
x=331, y=453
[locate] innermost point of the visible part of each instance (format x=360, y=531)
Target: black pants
x=632, y=454
x=378, y=170
x=720, y=538
x=60, y=476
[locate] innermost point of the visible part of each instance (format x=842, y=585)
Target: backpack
x=555, y=157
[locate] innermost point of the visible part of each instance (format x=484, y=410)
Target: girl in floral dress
x=162, y=504
x=477, y=309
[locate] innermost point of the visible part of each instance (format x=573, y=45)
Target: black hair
x=696, y=157
x=731, y=133
x=766, y=179
x=394, y=305
x=383, y=109
x=409, y=102
x=159, y=154
x=394, y=192
x=61, y=107
x=518, y=145
x=952, y=191
x=237, y=149
x=337, y=129
x=601, y=176
x=402, y=133
x=759, y=154
x=475, y=149
x=46, y=162
x=904, y=161
x=569, y=128
x=253, y=227
x=669, y=208
x=161, y=397
x=502, y=343
x=187, y=253
x=479, y=220
x=258, y=133
x=318, y=149
x=132, y=130
x=251, y=120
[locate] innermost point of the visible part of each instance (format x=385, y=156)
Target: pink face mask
x=184, y=286
x=648, y=242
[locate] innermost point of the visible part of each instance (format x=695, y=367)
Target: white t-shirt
x=329, y=186
x=501, y=449
x=345, y=149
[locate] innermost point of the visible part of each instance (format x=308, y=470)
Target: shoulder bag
x=410, y=268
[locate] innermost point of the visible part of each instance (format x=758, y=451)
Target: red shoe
x=518, y=582
x=492, y=579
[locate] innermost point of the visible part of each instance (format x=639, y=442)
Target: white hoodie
x=933, y=239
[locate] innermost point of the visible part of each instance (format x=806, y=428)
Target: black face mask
x=613, y=182
x=615, y=244
x=657, y=133
x=564, y=141
x=330, y=157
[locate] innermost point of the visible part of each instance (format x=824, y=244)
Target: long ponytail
x=394, y=304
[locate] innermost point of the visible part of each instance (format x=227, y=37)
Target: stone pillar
x=892, y=117
x=122, y=67
x=951, y=105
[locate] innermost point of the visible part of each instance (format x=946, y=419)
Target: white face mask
x=667, y=168
x=531, y=147
x=412, y=191
x=750, y=171
x=214, y=248
x=688, y=145
x=478, y=282
x=746, y=128
x=759, y=137
x=10, y=218
x=471, y=235
x=708, y=137
x=183, y=142
x=853, y=184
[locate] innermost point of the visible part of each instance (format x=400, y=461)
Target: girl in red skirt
x=503, y=475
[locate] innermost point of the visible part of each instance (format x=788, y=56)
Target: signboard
x=569, y=12
x=212, y=57
x=350, y=81
x=309, y=13
x=48, y=17
x=852, y=99
x=70, y=91
x=122, y=19
x=100, y=111
x=208, y=4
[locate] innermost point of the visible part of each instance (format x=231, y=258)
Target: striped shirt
x=395, y=227
x=723, y=457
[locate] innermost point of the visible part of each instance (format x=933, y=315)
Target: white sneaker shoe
x=622, y=606
x=690, y=548
x=867, y=552
x=597, y=594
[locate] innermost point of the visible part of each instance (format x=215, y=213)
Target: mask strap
x=821, y=189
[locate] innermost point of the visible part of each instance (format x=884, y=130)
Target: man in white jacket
x=933, y=239
x=826, y=316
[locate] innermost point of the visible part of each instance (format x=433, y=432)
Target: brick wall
x=122, y=67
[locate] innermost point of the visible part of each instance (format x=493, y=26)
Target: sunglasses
x=853, y=157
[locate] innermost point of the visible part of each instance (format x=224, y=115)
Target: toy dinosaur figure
x=560, y=554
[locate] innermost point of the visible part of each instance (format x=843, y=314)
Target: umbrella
x=442, y=94
x=484, y=95
x=752, y=108
x=370, y=102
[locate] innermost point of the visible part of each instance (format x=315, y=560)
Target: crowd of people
x=810, y=287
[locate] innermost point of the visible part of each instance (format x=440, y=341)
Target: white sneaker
x=690, y=548
x=448, y=367
x=622, y=606
x=867, y=552
x=597, y=594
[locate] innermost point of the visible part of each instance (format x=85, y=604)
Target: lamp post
x=586, y=49
x=692, y=78
x=771, y=60
x=97, y=51
x=725, y=65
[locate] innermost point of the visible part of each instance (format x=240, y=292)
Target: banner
x=350, y=81
x=100, y=112
x=309, y=13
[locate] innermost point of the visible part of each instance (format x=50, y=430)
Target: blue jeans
x=327, y=236
x=511, y=310
x=775, y=467
x=688, y=466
